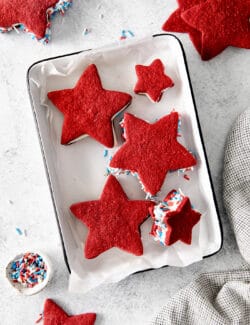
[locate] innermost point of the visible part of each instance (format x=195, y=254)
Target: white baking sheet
x=78, y=172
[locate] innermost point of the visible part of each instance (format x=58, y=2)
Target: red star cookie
x=173, y=219
x=113, y=220
x=181, y=222
x=88, y=108
x=175, y=23
x=222, y=24
x=54, y=315
x=34, y=15
x=151, y=150
x=152, y=80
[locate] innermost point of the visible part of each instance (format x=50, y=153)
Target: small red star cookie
x=151, y=150
x=29, y=15
x=175, y=23
x=181, y=222
x=222, y=24
x=173, y=219
x=152, y=80
x=88, y=108
x=54, y=315
x=113, y=220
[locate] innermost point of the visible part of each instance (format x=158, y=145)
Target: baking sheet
x=78, y=172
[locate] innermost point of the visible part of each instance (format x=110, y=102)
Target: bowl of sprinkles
x=29, y=273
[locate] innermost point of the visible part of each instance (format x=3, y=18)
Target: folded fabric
x=222, y=298
x=237, y=182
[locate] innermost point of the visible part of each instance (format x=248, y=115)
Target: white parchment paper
x=78, y=172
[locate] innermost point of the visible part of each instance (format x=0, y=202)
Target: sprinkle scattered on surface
x=19, y=231
x=39, y=319
x=86, y=31
x=105, y=153
x=126, y=34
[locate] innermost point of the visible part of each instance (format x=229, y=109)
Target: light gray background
x=221, y=88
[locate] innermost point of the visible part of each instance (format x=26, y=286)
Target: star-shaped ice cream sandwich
x=222, y=23
x=152, y=80
x=175, y=23
x=89, y=109
x=181, y=222
x=151, y=150
x=113, y=220
x=29, y=15
x=173, y=219
x=54, y=315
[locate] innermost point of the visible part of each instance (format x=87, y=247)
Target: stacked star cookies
x=212, y=25
x=114, y=220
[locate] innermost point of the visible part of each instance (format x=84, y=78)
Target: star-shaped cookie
x=54, y=315
x=181, y=222
x=113, y=220
x=222, y=23
x=29, y=15
x=175, y=23
x=173, y=219
x=152, y=80
x=88, y=108
x=151, y=150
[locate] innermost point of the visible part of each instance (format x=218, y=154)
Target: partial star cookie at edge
x=222, y=24
x=181, y=222
x=175, y=23
x=113, y=220
x=32, y=14
x=53, y=314
x=89, y=109
x=151, y=150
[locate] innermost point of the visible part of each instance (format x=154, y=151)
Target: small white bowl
x=37, y=288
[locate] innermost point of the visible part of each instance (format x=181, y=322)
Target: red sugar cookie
x=174, y=219
x=222, y=24
x=175, y=23
x=151, y=150
x=113, y=220
x=30, y=16
x=152, y=80
x=54, y=315
x=181, y=222
x=89, y=109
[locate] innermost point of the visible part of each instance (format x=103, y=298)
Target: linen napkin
x=222, y=298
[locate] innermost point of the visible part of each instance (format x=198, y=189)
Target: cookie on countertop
x=33, y=17
x=221, y=23
x=213, y=25
x=89, y=109
x=113, y=220
x=175, y=23
x=55, y=315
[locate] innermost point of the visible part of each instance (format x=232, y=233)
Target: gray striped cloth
x=222, y=298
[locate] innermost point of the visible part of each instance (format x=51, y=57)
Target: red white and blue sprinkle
x=29, y=270
x=105, y=153
x=86, y=31
x=19, y=231
x=39, y=318
x=125, y=34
